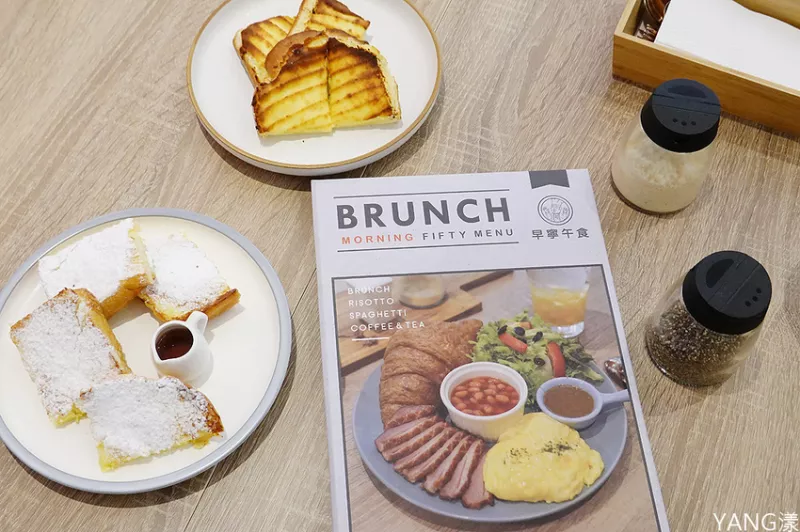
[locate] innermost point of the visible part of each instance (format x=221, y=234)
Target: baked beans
x=484, y=396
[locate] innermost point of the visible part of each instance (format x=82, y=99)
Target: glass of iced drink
x=559, y=297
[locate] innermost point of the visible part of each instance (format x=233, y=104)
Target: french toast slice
x=185, y=280
x=362, y=91
x=111, y=264
x=67, y=347
x=320, y=15
x=296, y=99
x=134, y=417
x=256, y=41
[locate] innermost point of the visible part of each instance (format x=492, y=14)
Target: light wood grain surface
x=96, y=118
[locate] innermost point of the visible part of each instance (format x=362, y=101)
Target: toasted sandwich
x=296, y=99
x=320, y=15
x=67, y=347
x=256, y=41
x=186, y=280
x=135, y=417
x=361, y=89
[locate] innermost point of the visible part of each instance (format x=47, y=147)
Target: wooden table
x=96, y=118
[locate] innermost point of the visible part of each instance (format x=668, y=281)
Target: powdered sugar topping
x=99, y=262
x=185, y=279
x=64, y=352
x=135, y=417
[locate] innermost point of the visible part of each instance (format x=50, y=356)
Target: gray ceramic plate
x=254, y=336
x=607, y=436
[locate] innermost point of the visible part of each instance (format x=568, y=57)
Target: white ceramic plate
x=221, y=91
x=250, y=344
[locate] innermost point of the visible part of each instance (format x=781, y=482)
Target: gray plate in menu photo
x=607, y=436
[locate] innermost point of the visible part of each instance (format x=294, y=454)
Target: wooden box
x=746, y=96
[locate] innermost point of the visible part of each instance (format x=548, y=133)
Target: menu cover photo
x=476, y=370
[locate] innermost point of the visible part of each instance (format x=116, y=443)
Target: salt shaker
x=665, y=153
x=708, y=322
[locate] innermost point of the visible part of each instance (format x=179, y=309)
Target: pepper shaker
x=708, y=322
x=665, y=153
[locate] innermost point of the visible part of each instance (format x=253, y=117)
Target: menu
x=474, y=358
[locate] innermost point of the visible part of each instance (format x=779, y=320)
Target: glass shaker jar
x=708, y=322
x=665, y=153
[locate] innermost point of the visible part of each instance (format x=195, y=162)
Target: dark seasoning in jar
x=708, y=324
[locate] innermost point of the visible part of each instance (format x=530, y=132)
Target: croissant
x=417, y=360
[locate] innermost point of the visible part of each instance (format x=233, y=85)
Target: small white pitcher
x=196, y=361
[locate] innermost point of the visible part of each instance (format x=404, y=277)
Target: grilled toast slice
x=361, y=89
x=186, y=280
x=296, y=98
x=256, y=41
x=135, y=417
x=67, y=347
x=320, y=15
x=111, y=264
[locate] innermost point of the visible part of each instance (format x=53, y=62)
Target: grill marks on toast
x=256, y=41
x=320, y=75
x=320, y=15
x=357, y=86
x=296, y=101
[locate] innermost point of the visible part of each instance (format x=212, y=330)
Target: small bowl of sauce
x=575, y=402
x=180, y=349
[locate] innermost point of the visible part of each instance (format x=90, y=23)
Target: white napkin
x=727, y=33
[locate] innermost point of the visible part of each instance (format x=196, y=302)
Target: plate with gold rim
x=221, y=91
x=250, y=345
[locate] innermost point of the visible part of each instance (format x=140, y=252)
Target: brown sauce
x=568, y=401
x=174, y=343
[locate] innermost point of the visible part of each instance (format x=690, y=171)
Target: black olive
x=538, y=361
x=537, y=336
x=502, y=330
x=519, y=331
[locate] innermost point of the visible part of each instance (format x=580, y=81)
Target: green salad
x=529, y=346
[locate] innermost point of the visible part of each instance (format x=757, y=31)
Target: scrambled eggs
x=540, y=459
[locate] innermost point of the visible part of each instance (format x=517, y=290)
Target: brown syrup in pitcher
x=174, y=343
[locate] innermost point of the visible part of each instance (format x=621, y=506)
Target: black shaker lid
x=681, y=115
x=728, y=292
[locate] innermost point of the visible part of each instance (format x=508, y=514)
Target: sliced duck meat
x=396, y=435
x=407, y=414
x=424, y=452
x=459, y=482
x=476, y=496
x=395, y=453
x=417, y=473
x=443, y=473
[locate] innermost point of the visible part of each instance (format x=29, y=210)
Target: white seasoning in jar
x=666, y=151
x=655, y=179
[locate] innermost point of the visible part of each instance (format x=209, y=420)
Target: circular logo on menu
x=555, y=210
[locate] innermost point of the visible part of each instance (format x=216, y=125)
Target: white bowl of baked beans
x=484, y=398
